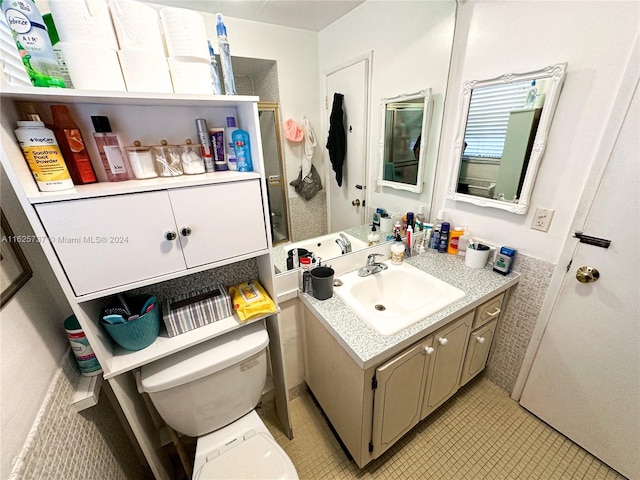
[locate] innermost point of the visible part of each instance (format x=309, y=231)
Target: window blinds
x=489, y=117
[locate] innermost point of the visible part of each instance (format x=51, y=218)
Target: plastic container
x=167, y=159
x=230, y=152
x=397, y=251
x=141, y=161
x=444, y=237
x=192, y=162
x=136, y=334
x=463, y=242
x=504, y=260
x=31, y=37
x=225, y=56
x=42, y=153
x=72, y=146
x=116, y=166
x=454, y=239
x=242, y=147
x=215, y=76
x=86, y=359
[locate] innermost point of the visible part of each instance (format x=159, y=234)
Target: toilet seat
x=256, y=455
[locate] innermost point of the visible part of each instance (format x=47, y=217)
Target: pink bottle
x=114, y=161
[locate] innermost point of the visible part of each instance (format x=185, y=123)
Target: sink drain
x=380, y=308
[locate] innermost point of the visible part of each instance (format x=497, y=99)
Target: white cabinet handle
x=480, y=339
x=496, y=312
x=185, y=231
x=170, y=236
x=429, y=350
x=443, y=341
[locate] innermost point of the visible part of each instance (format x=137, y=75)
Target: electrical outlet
x=542, y=219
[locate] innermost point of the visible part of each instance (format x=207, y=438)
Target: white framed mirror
x=404, y=129
x=502, y=133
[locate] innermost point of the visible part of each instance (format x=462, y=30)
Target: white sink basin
x=395, y=298
x=326, y=247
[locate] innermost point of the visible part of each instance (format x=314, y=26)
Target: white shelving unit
x=148, y=118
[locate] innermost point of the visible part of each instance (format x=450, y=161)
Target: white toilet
x=210, y=391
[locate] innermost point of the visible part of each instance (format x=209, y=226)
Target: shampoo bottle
x=229, y=148
x=115, y=164
x=242, y=148
x=72, y=145
x=225, y=56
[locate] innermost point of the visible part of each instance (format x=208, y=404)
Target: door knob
x=186, y=231
x=170, y=236
x=443, y=341
x=587, y=274
x=356, y=203
x=480, y=339
x=428, y=350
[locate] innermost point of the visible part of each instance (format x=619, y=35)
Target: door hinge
x=326, y=102
x=370, y=447
x=374, y=383
x=364, y=202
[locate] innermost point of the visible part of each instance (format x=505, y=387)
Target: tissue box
x=196, y=309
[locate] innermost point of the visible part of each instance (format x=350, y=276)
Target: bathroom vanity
x=107, y=238
x=375, y=388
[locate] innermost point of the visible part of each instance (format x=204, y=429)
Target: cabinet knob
x=170, y=236
x=429, y=350
x=186, y=231
x=443, y=341
x=480, y=339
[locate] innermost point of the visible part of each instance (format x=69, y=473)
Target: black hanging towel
x=337, y=141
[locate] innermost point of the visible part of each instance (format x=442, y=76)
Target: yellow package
x=251, y=300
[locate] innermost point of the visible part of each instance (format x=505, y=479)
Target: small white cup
x=386, y=224
x=478, y=257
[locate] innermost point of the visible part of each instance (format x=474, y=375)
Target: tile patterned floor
x=479, y=434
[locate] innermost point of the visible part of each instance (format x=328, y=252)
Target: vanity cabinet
x=106, y=242
x=372, y=408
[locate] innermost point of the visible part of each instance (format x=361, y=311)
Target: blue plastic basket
x=136, y=334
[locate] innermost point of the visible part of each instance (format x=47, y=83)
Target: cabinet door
x=398, y=396
x=223, y=221
x=450, y=344
x=109, y=241
x=478, y=351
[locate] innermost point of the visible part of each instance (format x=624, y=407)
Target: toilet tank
x=209, y=385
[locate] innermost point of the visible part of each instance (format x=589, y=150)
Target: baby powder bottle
x=42, y=153
x=229, y=149
x=242, y=148
x=114, y=162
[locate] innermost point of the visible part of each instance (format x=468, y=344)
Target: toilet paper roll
x=145, y=71
x=84, y=21
x=184, y=33
x=190, y=75
x=92, y=67
x=136, y=25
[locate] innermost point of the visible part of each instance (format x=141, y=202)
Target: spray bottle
x=225, y=57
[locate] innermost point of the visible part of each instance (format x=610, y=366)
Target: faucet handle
x=372, y=256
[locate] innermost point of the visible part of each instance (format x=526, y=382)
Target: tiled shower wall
x=518, y=321
x=66, y=444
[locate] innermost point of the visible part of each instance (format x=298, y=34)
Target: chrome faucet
x=372, y=266
x=344, y=243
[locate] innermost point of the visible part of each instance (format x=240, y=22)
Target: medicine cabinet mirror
x=502, y=133
x=404, y=128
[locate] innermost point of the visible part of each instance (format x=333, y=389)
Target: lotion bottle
x=397, y=251
x=373, y=238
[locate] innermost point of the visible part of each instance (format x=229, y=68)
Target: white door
x=585, y=378
x=345, y=204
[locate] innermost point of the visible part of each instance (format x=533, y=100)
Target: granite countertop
x=367, y=347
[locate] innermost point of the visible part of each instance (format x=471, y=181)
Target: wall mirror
x=404, y=128
x=502, y=134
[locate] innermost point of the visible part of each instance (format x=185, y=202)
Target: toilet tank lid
x=205, y=358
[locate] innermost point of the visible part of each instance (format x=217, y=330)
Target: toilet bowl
x=209, y=391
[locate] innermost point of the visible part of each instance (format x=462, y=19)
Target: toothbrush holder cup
x=477, y=257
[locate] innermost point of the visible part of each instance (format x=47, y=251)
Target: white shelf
x=102, y=189
x=124, y=360
x=70, y=95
